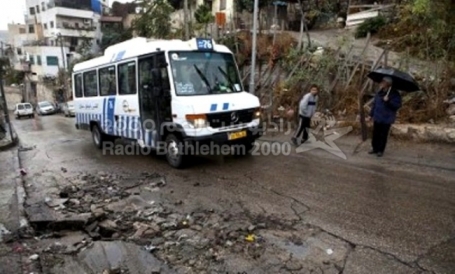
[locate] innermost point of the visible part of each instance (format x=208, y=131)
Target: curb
x=10, y=145
x=20, y=188
x=20, y=192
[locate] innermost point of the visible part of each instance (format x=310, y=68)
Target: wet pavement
x=302, y=213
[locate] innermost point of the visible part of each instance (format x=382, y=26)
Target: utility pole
x=59, y=35
x=63, y=52
x=2, y=92
x=185, y=19
x=253, y=50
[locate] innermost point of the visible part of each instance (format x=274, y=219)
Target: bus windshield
x=201, y=73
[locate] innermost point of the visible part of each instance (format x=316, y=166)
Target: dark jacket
x=385, y=112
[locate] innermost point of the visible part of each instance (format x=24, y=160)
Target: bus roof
x=140, y=46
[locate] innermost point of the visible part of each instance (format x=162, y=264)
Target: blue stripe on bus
x=213, y=107
x=225, y=106
x=127, y=126
x=110, y=114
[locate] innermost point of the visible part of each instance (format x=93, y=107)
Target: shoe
x=380, y=154
x=372, y=152
x=294, y=141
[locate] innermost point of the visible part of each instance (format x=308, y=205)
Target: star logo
x=323, y=138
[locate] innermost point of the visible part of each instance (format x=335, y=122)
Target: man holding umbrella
x=386, y=103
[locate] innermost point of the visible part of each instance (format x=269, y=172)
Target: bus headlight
x=257, y=113
x=197, y=120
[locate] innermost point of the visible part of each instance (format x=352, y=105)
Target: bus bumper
x=222, y=138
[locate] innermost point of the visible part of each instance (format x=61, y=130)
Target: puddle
x=299, y=251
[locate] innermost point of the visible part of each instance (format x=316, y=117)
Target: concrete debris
x=119, y=225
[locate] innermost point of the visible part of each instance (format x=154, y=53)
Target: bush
x=372, y=25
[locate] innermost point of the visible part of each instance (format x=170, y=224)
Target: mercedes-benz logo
x=234, y=117
x=125, y=106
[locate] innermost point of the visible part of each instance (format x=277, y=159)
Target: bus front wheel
x=98, y=137
x=175, y=155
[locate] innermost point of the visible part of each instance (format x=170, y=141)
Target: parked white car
x=68, y=109
x=45, y=107
x=24, y=110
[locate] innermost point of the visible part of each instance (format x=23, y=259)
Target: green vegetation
x=155, y=19
x=203, y=16
x=425, y=28
x=372, y=25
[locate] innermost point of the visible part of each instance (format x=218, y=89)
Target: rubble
x=116, y=221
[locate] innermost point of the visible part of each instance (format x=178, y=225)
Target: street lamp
x=254, y=46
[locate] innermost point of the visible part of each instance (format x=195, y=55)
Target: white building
x=55, y=31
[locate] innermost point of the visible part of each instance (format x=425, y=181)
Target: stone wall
x=43, y=93
x=425, y=133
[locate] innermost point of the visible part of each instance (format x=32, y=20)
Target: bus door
x=154, y=96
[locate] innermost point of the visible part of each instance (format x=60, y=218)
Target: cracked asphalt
x=371, y=215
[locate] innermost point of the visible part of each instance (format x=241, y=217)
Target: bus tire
x=98, y=137
x=174, y=154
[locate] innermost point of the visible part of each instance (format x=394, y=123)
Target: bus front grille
x=230, y=118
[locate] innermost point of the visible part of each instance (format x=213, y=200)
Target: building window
x=43, y=6
x=45, y=26
x=22, y=30
x=222, y=5
x=19, y=51
x=90, y=84
x=32, y=11
x=78, y=85
x=32, y=60
x=38, y=60
x=37, y=9
x=52, y=61
x=108, y=83
x=52, y=24
x=127, y=78
x=31, y=29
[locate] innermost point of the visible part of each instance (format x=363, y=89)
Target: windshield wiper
x=227, y=78
x=203, y=78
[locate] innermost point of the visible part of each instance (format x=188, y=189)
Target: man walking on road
x=307, y=108
x=386, y=103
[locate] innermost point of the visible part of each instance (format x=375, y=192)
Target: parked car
x=68, y=109
x=45, y=107
x=24, y=109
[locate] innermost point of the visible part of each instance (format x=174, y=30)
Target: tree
x=203, y=15
x=112, y=36
x=426, y=28
x=154, y=20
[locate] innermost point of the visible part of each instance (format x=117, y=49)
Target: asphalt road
x=394, y=218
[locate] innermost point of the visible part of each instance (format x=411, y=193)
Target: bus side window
x=108, y=83
x=127, y=78
x=78, y=85
x=90, y=84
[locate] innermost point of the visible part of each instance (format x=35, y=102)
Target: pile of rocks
x=196, y=240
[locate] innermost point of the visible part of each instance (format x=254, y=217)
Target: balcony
x=70, y=4
x=68, y=30
x=46, y=43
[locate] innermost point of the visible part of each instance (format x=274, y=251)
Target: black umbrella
x=401, y=80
